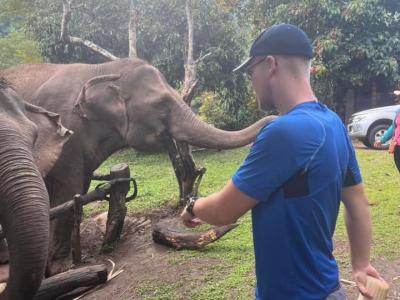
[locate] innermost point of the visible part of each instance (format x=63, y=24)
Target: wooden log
x=170, y=233
x=63, y=283
x=117, y=204
x=101, y=177
x=60, y=210
x=378, y=288
x=76, y=293
x=69, y=206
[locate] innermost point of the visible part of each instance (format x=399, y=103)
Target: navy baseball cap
x=282, y=39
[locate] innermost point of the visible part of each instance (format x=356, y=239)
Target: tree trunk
x=133, y=22
x=67, y=38
x=180, y=153
x=117, y=207
x=374, y=95
x=339, y=95
x=169, y=232
x=187, y=174
x=349, y=104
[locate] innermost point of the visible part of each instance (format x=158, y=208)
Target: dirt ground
x=144, y=262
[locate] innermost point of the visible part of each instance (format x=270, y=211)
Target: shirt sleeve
x=388, y=135
x=353, y=174
x=279, y=152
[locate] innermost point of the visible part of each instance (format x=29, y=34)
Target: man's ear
x=272, y=65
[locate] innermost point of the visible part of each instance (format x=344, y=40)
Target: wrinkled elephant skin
x=124, y=103
x=24, y=214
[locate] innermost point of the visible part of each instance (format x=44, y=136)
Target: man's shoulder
x=299, y=122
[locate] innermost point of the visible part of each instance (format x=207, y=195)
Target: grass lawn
x=233, y=274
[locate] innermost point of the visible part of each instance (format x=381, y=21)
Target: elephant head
x=24, y=201
x=146, y=111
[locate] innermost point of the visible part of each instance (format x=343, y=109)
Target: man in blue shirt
x=298, y=170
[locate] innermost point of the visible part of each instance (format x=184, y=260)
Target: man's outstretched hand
x=188, y=220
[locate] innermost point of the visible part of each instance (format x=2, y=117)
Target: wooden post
x=117, y=207
x=68, y=236
x=76, y=233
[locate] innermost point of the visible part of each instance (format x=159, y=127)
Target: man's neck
x=293, y=96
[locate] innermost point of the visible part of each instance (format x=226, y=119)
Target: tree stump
x=117, y=207
x=186, y=172
x=172, y=233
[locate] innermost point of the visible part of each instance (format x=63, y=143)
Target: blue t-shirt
x=296, y=170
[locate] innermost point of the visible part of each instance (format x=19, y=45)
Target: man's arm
x=221, y=208
x=359, y=229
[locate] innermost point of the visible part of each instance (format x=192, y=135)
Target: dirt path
x=148, y=264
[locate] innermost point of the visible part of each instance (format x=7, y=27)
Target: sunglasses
x=251, y=69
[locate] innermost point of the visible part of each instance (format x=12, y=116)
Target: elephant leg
x=60, y=251
x=4, y=256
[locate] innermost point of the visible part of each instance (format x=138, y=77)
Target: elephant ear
x=52, y=136
x=100, y=100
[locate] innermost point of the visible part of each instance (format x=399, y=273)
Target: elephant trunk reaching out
x=24, y=215
x=185, y=126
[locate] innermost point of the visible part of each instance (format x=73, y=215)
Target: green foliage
x=161, y=35
x=17, y=48
x=16, y=8
x=213, y=110
x=356, y=42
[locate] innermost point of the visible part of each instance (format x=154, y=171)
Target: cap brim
x=397, y=93
x=244, y=65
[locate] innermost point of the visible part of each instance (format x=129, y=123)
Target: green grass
x=233, y=276
x=382, y=183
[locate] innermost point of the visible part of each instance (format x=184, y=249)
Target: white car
x=369, y=125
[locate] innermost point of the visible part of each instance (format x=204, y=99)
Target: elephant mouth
x=4, y=274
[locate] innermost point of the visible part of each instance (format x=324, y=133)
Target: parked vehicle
x=370, y=125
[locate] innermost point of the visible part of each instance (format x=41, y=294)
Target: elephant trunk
x=24, y=216
x=185, y=126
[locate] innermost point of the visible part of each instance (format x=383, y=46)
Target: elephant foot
x=60, y=250
x=4, y=256
x=58, y=266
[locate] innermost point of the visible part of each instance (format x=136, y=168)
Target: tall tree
x=175, y=35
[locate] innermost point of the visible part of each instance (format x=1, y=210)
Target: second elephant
x=31, y=140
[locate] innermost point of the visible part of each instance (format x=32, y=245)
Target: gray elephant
x=31, y=140
x=110, y=106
